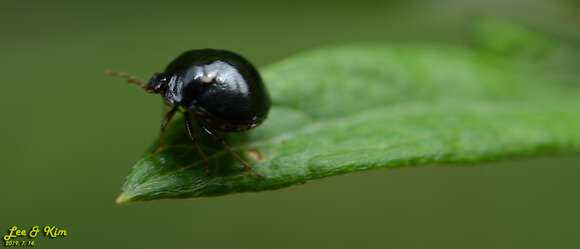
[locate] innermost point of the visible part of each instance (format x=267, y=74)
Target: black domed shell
x=220, y=87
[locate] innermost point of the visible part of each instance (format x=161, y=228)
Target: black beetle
x=220, y=88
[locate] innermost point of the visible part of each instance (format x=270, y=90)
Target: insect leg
x=192, y=137
x=168, y=116
x=228, y=149
x=165, y=109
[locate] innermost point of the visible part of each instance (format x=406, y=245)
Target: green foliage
x=359, y=107
x=508, y=39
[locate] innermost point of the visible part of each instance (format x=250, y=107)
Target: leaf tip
x=123, y=199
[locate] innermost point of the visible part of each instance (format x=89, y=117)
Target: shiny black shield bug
x=220, y=89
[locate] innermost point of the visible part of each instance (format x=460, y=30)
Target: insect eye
x=158, y=77
x=157, y=83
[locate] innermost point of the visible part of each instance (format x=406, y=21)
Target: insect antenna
x=130, y=78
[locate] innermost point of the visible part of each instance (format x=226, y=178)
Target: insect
x=220, y=89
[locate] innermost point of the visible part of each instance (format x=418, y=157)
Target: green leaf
x=359, y=107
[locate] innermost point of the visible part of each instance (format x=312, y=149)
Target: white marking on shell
x=220, y=72
x=207, y=78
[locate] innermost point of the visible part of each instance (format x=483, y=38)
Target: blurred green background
x=69, y=135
